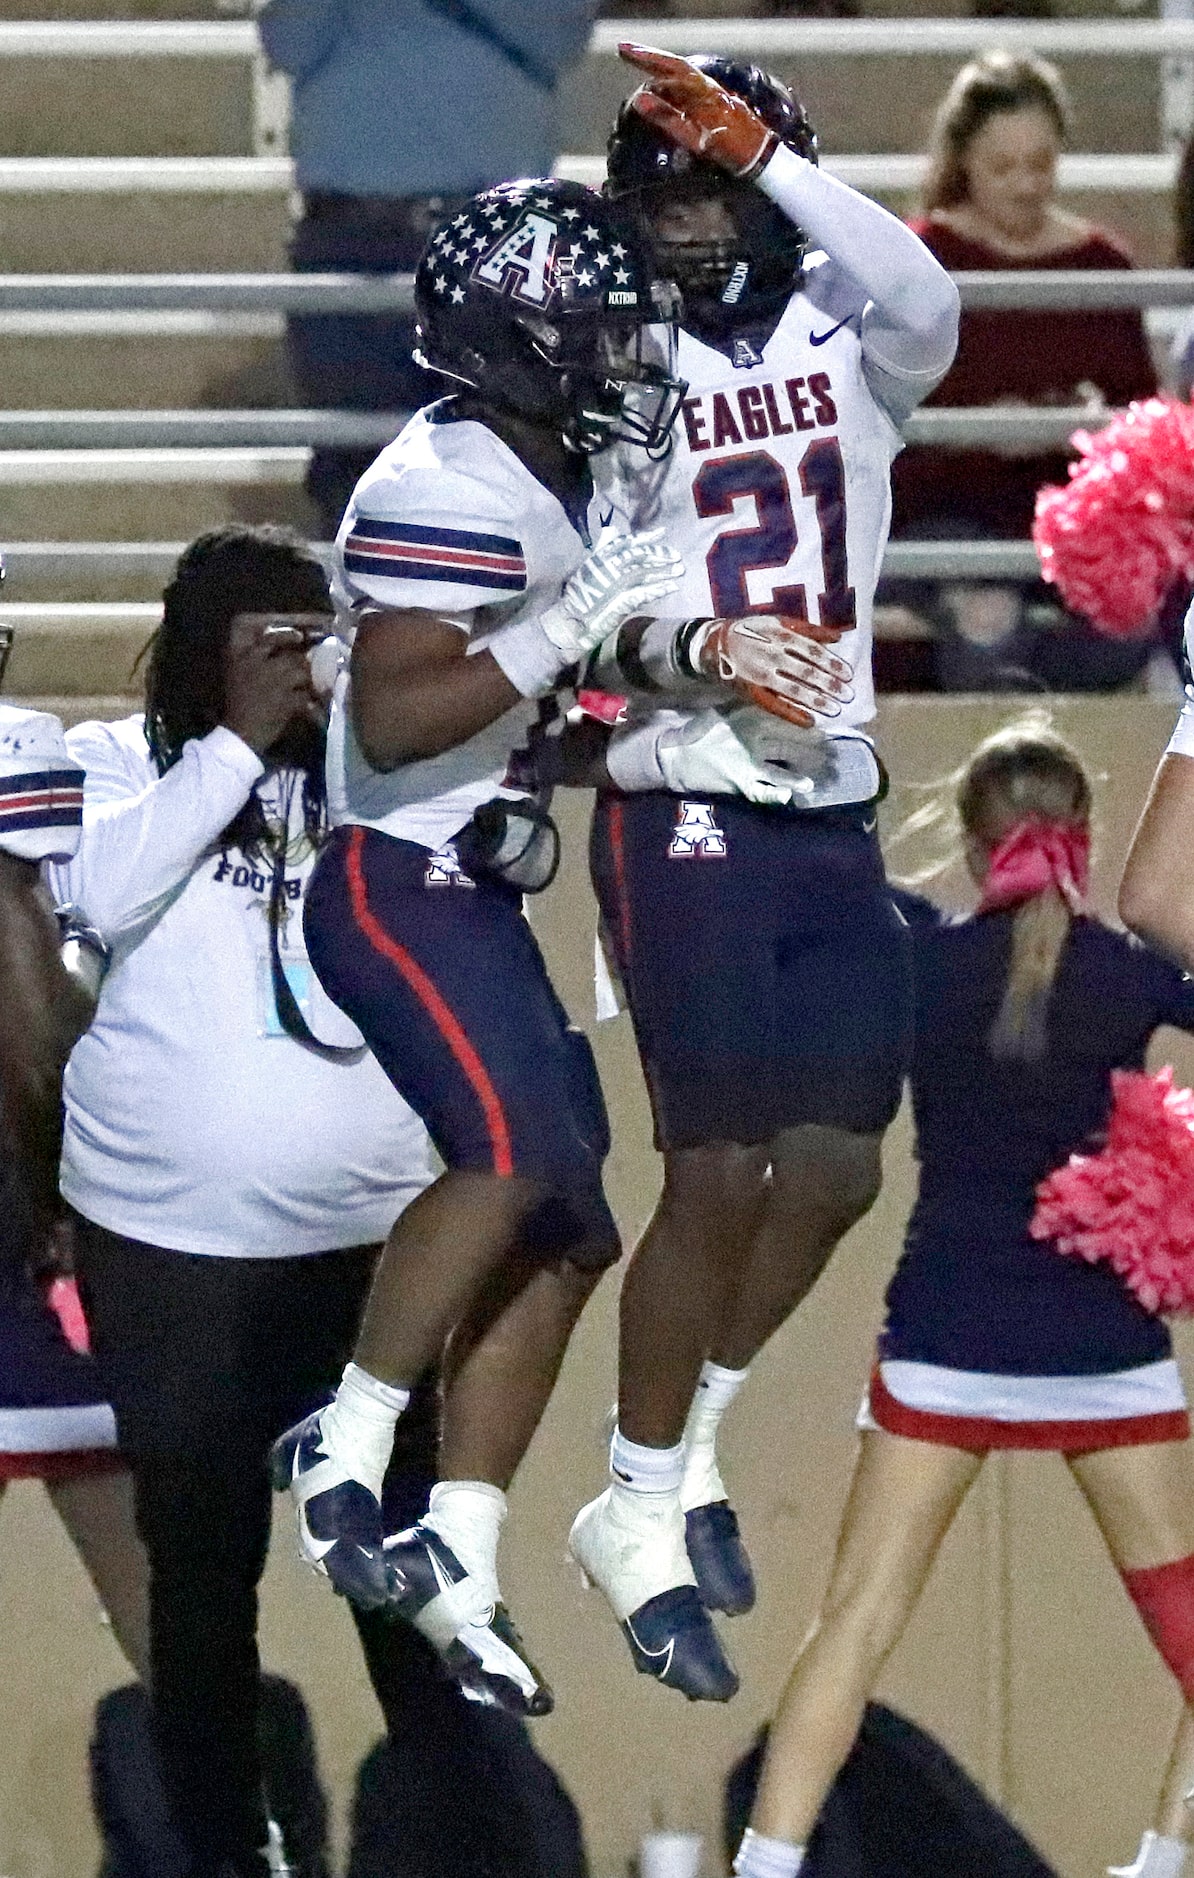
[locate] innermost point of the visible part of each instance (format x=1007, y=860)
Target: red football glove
x=780, y=663
x=695, y=111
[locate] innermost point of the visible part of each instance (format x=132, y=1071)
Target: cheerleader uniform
x=54, y=1421
x=992, y=1339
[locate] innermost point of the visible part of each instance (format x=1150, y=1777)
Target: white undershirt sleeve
x=142, y=839
x=910, y=304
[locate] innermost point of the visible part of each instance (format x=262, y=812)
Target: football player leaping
x=763, y=961
x=468, y=555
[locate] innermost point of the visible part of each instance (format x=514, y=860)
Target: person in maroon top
x=989, y=203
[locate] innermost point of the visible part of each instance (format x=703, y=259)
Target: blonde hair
x=994, y=82
x=1022, y=773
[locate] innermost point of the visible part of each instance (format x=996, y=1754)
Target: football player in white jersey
x=470, y=555
x=763, y=961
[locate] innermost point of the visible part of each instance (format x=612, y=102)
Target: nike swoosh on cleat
x=437, y=1572
x=654, y=1655
x=313, y=1549
x=619, y=1475
x=819, y=339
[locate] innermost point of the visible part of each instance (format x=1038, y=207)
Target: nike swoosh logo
x=314, y=1550
x=654, y=1656
x=606, y=519
x=819, y=339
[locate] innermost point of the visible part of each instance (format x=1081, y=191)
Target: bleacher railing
x=1088, y=290
x=52, y=447
x=761, y=38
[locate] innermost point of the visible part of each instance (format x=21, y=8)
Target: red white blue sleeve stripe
x=412, y=551
x=44, y=798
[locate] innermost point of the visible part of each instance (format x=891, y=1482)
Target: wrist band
x=1182, y=741
x=527, y=656
x=687, y=642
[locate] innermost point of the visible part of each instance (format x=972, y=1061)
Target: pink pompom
x=1132, y=1204
x=1121, y=531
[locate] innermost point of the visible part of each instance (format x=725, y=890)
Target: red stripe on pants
x=440, y=1013
x=618, y=857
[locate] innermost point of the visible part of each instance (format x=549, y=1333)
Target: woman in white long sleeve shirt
x=231, y=1180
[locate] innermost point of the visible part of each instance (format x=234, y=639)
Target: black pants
x=206, y=1360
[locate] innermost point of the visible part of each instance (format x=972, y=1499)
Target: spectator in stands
x=402, y=107
x=232, y=1154
x=989, y=202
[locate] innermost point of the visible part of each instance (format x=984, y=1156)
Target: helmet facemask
x=617, y=379
x=728, y=279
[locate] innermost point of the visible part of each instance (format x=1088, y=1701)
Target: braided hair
x=229, y=570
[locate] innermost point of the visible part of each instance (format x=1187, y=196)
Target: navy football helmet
x=541, y=297
x=726, y=282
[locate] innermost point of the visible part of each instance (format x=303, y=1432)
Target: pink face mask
x=1035, y=855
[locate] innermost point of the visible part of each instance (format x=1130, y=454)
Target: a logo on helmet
x=521, y=260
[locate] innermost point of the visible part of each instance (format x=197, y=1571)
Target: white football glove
x=620, y=578
x=781, y=663
x=743, y=752
x=705, y=756
x=818, y=771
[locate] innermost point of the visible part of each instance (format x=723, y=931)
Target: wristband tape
x=527, y=656
x=682, y=645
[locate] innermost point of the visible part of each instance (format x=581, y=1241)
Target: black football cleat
x=718, y=1558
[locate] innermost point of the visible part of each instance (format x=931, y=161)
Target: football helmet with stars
x=732, y=279
x=541, y=298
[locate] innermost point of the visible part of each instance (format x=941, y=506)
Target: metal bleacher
x=156, y=277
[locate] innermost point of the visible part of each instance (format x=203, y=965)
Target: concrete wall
x=1025, y=1657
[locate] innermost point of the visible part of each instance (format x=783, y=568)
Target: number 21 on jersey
x=772, y=542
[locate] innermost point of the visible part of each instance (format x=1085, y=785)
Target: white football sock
x=702, y=1484
x=636, y=1469
x=358, y=1425
x=1158, y=1857
x=767, y=1858
x=468, y=1516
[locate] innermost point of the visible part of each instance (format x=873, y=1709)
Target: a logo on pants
x=696, y=835
x=444, y=870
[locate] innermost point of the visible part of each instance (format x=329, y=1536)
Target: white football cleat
x=632, y=1546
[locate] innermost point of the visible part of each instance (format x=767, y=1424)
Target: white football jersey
x=41, y=787
x=450, y=521
x=777, y=492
